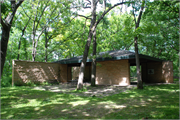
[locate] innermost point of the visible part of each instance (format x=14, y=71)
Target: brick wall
x=107, y=72
x=162, y=72
x=63, y=72
x=36, y=72
x=113, y=73
x=167, y=71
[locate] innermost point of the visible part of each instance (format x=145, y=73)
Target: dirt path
x=99, y=91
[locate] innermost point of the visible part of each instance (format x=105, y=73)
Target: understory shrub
x=6, y=81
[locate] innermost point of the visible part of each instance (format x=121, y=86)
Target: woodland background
x=51, y=30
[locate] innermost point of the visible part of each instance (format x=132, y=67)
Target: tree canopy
x=50, y=30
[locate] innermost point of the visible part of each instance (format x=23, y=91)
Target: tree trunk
x=6, y=27
x=33, y=51
x=34, y=41
x=139, y=84
x=19, y=46
x=46, y=42
x=4, y=44
x=25, y=49
x=83, y=63
x=93, y=72
x=46, y=54
x=91, y=30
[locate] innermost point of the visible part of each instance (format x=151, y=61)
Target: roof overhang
x=113, y=55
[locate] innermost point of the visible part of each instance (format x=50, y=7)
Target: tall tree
x=92, y=28
x=93, y=71
x=39, y=11
x=44, y=16
x=6, y=27
x=91, y=31
x=137, y=22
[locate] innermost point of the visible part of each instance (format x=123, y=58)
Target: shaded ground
x=153, y=102
x=98, y=91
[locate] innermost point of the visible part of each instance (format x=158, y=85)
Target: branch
x=56, y=25
x=26, y=25
x=140, y=14
x=134, y=16
x=105, y=12
x=97, y=2
x=87, y=17
x=88, y=3
x=54, y=11
x=19, y=3
x=25, y=12
x=13, y=4
x=104, y=5
x=84, y=30
x=174, y=48
x=41, y=14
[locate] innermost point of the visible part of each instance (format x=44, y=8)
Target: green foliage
x=161, y=25
x=133, y=72
x=6, y=78
x=98, y=64
x=115, y=34
x=74, y=39
x=5, y=8
x=158, y=32
x=6, y=81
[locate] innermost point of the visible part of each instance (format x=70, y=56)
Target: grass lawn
x=154, y=102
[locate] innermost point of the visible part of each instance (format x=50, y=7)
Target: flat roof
x=109, y=55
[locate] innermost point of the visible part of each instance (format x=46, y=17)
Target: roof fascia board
x=149, y=57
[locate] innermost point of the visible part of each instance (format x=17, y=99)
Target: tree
x=6, y=24
x=161, y=27
x=93, y=72
x=92, y=29
x=137, y=22
x=47, y=19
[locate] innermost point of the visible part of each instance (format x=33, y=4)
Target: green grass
x=176, y=80
x=154, y=102
x=133, y=79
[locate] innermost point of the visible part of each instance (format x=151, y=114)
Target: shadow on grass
x=154, y=102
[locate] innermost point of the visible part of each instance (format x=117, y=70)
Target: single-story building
x=113, y=68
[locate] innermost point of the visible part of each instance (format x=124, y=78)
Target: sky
x=125, y=8
x=85, y=11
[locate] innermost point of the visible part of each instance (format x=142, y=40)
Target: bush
x=6, y=81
